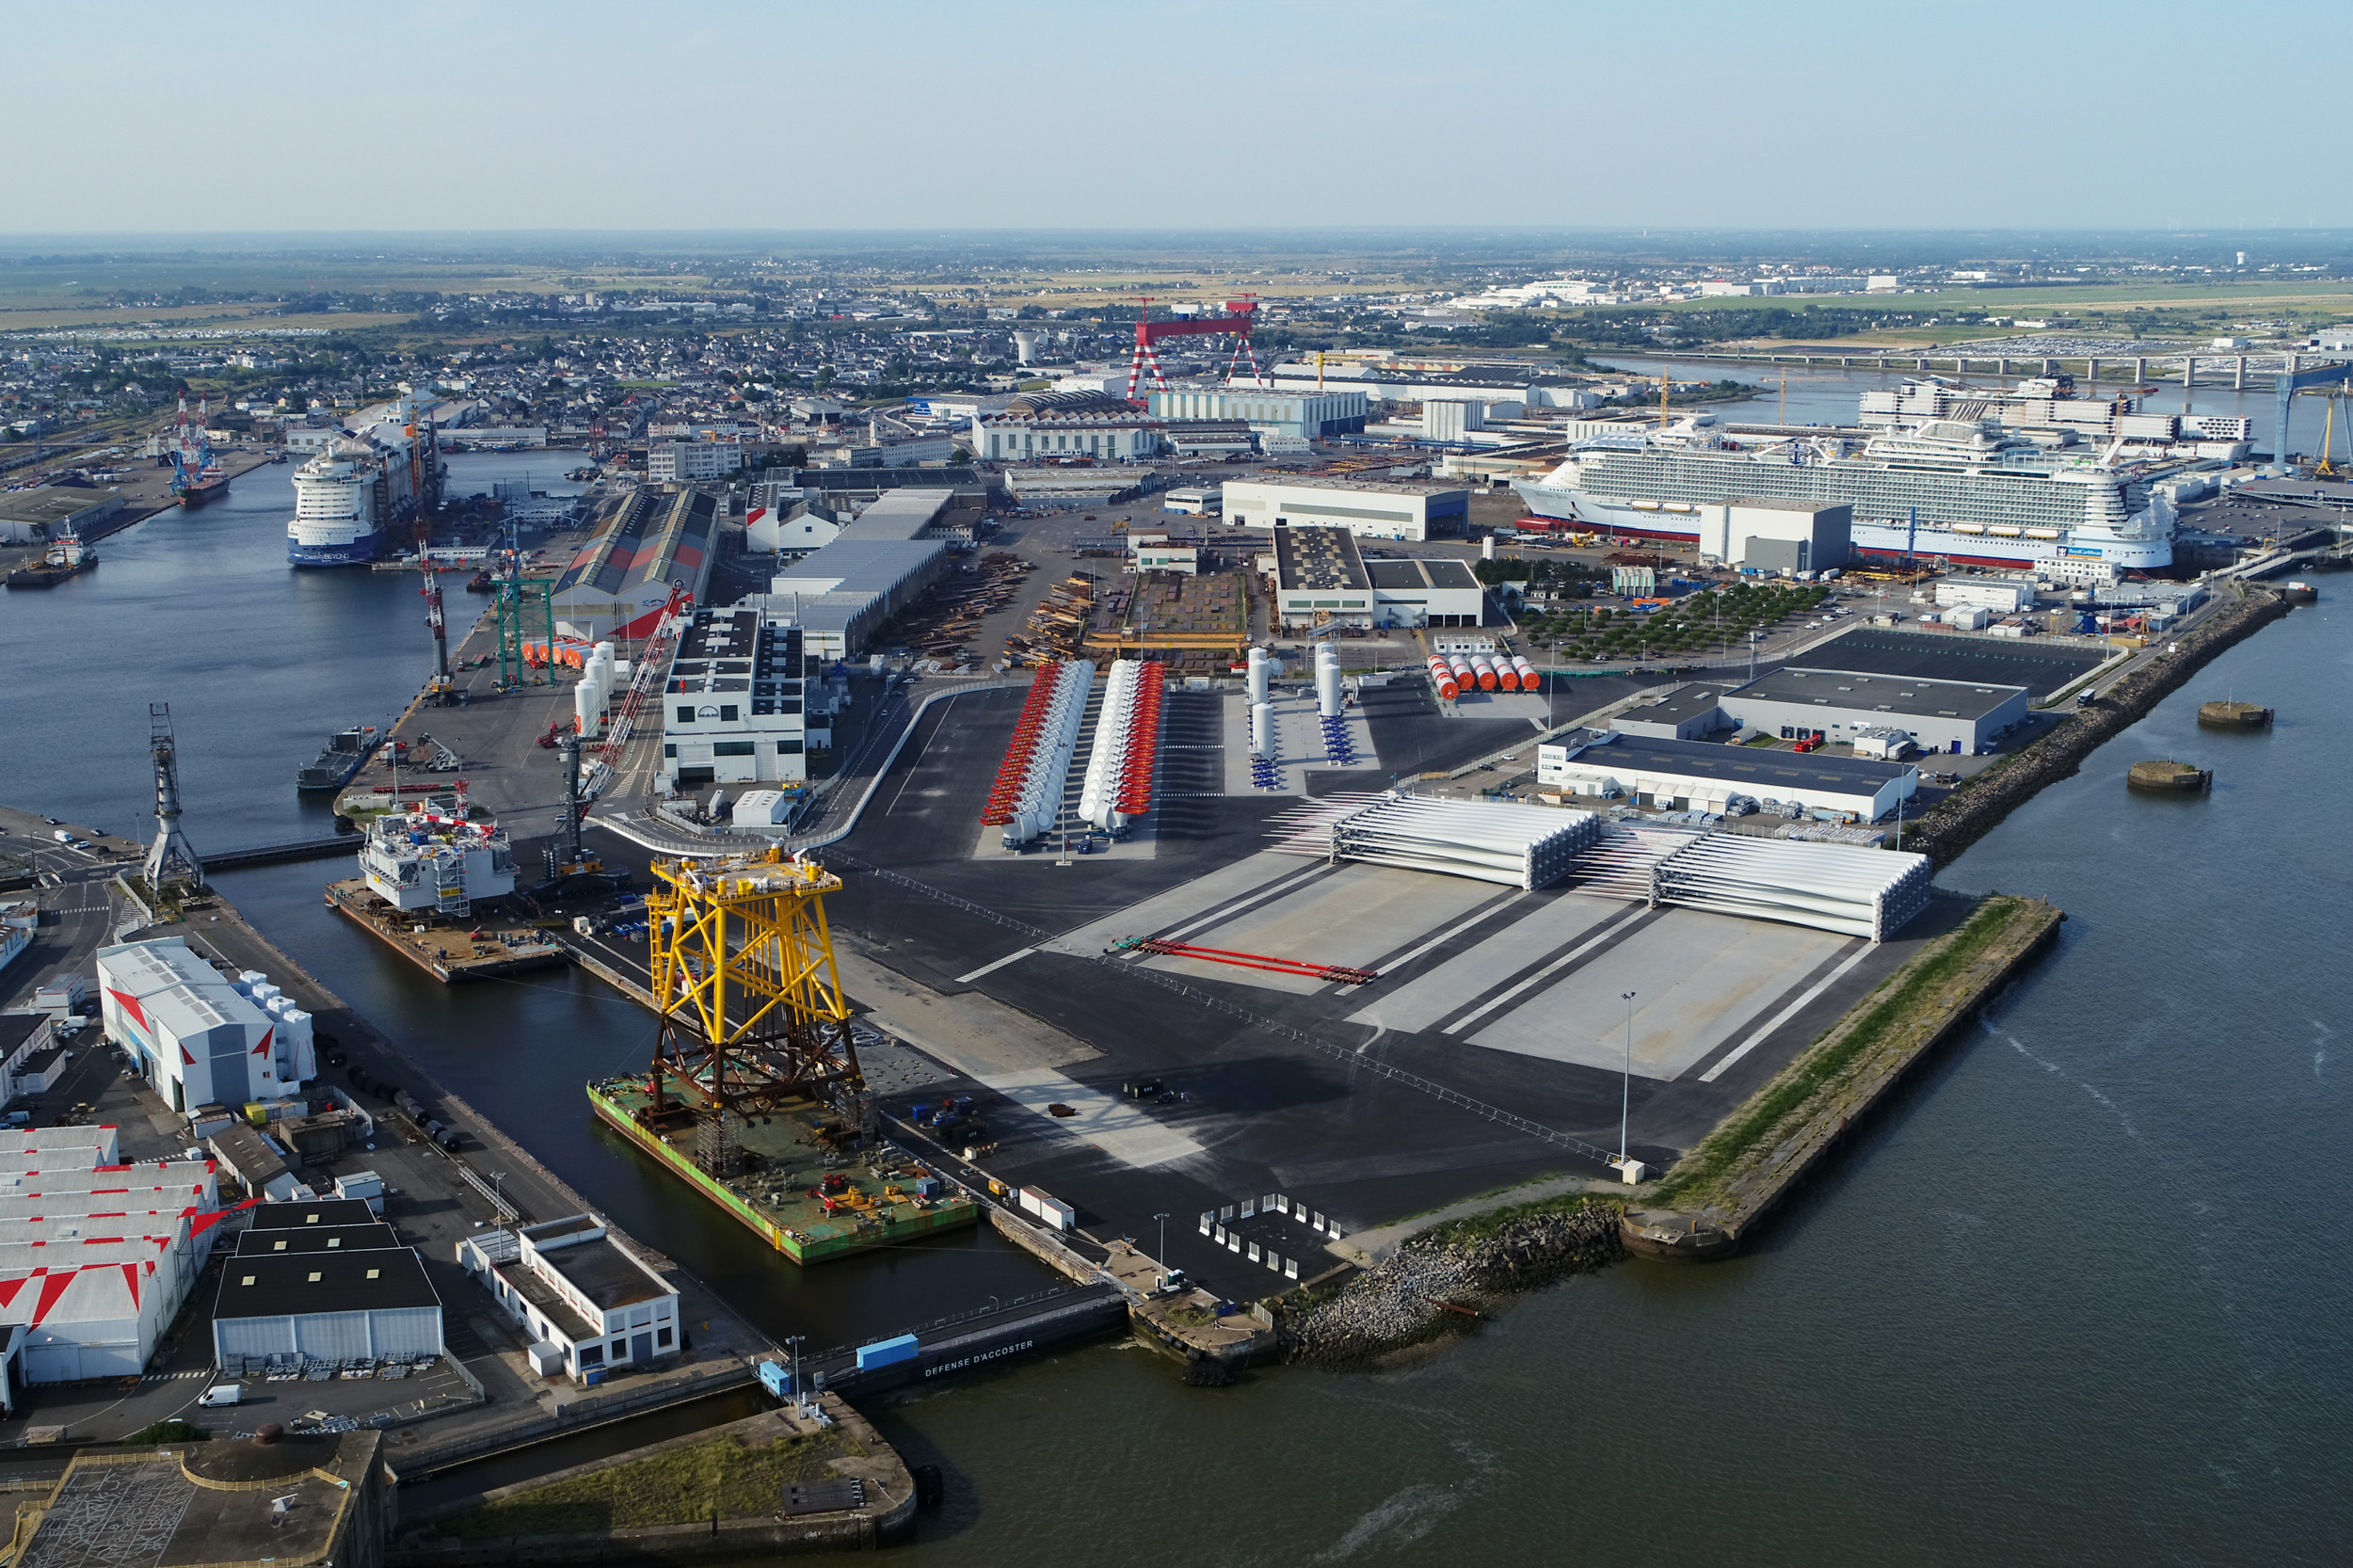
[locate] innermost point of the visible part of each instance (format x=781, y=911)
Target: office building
x=1368, y=509
x=733, y=704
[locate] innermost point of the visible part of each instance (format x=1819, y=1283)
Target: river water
x=2078, y=1298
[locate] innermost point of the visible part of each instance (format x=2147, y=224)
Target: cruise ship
x=350, y=497
x=1969, y=491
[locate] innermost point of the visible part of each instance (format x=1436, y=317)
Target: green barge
x=792, y=1186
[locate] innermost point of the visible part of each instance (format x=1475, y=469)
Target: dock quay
x=279, y=855
x=448, y=952
x=966, y=1340
x=436, y=1197
x=1708, y=1204
x=844, y=1488
x=800, y=1187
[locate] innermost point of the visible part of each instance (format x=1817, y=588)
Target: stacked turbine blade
x=1027, y=797
x=1127, y=743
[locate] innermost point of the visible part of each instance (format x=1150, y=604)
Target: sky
x=239, y=116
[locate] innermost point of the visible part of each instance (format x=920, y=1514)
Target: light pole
x=1161, y=1256
x=800, y=1395
x=1626, y=1102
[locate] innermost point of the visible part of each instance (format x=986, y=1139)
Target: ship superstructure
x=425, y=859
x=367, y=485
x=1967, y=490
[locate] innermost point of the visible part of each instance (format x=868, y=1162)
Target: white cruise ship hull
x=1651, y=520
x=333, y=550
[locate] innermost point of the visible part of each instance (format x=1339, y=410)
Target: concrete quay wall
x=1963, y=817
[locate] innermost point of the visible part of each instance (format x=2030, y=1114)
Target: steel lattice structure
x=752, y=1009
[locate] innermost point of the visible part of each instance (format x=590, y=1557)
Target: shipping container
x=886, y=1352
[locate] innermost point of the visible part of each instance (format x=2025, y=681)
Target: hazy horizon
x=742, y=119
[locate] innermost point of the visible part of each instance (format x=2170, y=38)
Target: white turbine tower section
x=1107, y=762
x=1039, y=799
x=171, y=857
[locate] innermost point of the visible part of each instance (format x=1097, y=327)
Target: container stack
x=1028, y=794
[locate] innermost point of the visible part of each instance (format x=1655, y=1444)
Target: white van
x=223, y=1393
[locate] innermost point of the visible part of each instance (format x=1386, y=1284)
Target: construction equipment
x=1308, y=967
x=752, y=1010
x=1240, y=315
x=439, y=690
x=171, y=858
x=2324, y=470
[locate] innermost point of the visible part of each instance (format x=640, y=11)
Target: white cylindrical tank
x=1487, y=547
x=1262, y=730
x=1328, y=687
x=588, y=713
x=604, y=651
x=262, y=994
x=1256, y=678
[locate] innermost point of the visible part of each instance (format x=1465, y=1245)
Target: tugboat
x=339, y=760
x=480, y=584
x=68, y=557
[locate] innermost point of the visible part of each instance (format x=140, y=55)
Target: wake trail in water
x=2124, y=1119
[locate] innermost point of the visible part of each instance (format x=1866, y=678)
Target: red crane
x=1239, y=315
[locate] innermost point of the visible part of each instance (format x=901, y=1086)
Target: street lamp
x=1625, y=1101
x=1161, y=1256
x=800, y=1397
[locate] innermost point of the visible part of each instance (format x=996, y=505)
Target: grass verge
x=682, y=1486
x=1912, y=990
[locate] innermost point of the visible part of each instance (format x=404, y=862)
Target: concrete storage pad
x=1182, y=910
x=1356, y=917
x=1298, y=741
x=1699, y=981
x=1497, y=958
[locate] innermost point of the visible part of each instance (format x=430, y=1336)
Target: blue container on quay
x=886, y=1352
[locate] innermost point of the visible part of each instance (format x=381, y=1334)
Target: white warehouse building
x=1695, y=776
x=733, y=703
x=324, y=1281
x=1367, y=508
x=590, y=1305
x=194, y=1034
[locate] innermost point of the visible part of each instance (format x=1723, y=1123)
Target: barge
x=800, y=1185
x=449, y=952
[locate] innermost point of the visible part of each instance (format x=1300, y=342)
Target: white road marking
x=1445, y=937
x=1017, y=952
x=1549, y=969
x=1784, y=1014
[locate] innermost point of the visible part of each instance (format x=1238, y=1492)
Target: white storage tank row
x=594, y=693
x=1327, y=682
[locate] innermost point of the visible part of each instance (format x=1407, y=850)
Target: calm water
x=1830, y=396
x=259, y=662
x=2077, y=1299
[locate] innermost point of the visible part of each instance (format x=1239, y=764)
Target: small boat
x=480, y=584
x=68, y=557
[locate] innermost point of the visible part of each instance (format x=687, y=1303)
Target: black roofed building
x=1700, y=775
x=331, y=1293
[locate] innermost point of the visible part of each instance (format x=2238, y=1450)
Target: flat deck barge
x=786, y=1161
x=478, y=950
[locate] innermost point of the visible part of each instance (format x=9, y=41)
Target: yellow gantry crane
x=752, y=1009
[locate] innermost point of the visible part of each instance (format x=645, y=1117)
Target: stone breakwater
x=1963, y=817
x=1443, y=1281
